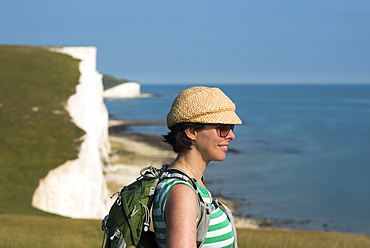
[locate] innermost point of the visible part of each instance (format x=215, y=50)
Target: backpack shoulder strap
x=229, y=214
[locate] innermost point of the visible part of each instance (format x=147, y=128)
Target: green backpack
x=128, y=222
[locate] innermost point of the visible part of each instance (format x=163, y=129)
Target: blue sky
x=204, y=41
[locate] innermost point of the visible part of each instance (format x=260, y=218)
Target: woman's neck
x=191, y=167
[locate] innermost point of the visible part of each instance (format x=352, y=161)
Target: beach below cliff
x=130, y=152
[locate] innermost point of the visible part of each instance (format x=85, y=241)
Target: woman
x=201, y=122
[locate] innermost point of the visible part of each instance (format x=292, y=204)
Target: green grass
x=109, y=81
x=36, y=231
x=300, y=239
x=23, y=231
x=36, y=132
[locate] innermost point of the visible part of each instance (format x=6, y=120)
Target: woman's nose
x=231, y=135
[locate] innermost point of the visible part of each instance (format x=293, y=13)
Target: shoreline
x=130, y=152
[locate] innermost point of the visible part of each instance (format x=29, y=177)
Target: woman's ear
x=191, y=133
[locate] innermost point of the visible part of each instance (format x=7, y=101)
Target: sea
x=300, y=160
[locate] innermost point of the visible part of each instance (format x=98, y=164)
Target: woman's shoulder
x=174, y=190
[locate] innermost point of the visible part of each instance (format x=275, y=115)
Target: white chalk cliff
x=125, y=90
x=77, y=188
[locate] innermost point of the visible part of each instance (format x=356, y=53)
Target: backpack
x=128, y=221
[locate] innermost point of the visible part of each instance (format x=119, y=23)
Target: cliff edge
x=77, y=188
x=124, y=90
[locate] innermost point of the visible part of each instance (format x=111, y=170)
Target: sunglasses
x=224, y=129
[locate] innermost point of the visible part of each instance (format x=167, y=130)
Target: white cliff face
x=125, y=90
x=77, y=188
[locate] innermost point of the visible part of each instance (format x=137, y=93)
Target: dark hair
x=177, y=137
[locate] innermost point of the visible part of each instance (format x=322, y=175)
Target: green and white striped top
x=220, y=232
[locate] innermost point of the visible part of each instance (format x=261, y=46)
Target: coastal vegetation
x=37, y=135
x=110, y=81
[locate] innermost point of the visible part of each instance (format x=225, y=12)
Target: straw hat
x=202, y=105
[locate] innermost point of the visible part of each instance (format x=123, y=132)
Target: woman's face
x=210, y=145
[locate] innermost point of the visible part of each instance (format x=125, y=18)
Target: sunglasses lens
x=225, y=129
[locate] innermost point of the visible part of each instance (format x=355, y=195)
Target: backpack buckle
x=104, y=223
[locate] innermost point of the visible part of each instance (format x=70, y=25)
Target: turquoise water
x=304, y=152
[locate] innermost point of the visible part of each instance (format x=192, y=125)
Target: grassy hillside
x=36, y=132
x=109, y=81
